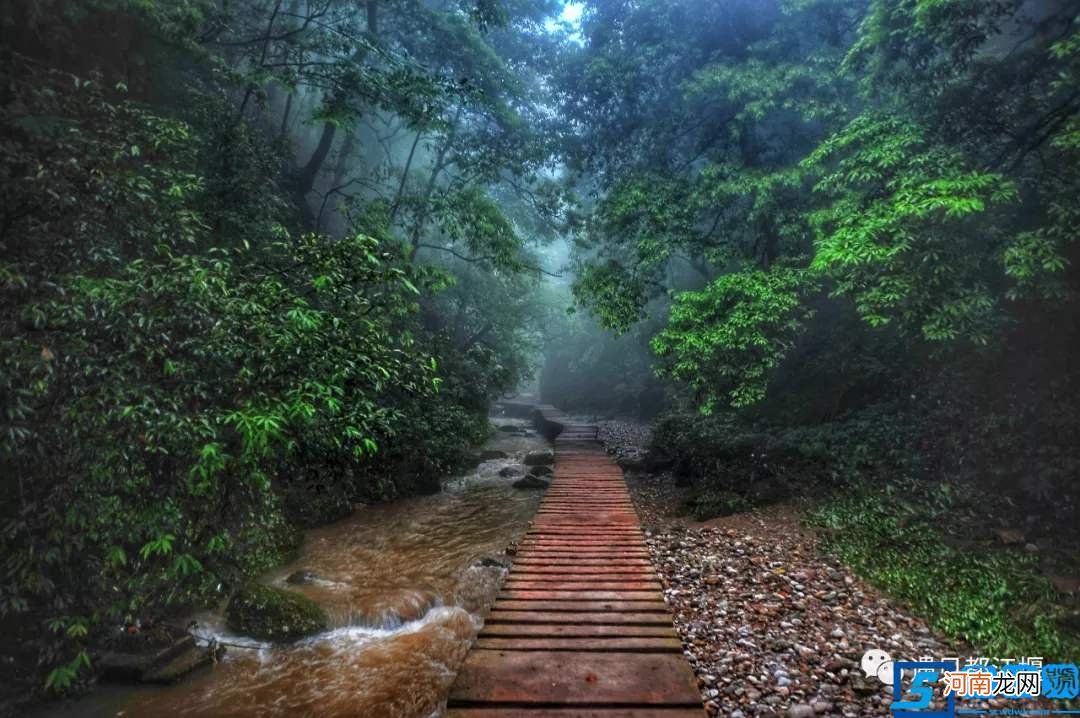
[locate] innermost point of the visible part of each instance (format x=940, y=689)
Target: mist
x=421, y=357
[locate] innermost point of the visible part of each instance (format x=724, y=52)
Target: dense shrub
x=726, y=453
x=897, y=495
x=185, y=377
x=994, y=599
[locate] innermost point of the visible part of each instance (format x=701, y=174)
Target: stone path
x=580, y=627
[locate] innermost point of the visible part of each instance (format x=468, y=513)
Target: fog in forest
x=298, y=296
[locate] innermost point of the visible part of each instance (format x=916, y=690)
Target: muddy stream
x=404, y=585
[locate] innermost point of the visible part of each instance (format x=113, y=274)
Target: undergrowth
x=993, y=599
x=895, y=512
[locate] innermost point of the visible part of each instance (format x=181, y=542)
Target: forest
x=267, y=265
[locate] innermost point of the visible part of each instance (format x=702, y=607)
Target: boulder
x=530, y=482
x=302, y=578
x=541, y=471
x=272, y=614
x=489, y=454
x=508, y=471
x=182, y=660
x=630, y=463
x=656, y=462
x=491, y=562
x=539, y=458
x=163, y=665
x=116, y=667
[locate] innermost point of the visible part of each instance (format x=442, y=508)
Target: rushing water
x=403, y=588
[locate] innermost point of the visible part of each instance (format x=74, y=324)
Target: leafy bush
x=726, y=340
x=731, y=453
x=175, y=394
x=185, y=379
x=996, y=601
x=708, y=504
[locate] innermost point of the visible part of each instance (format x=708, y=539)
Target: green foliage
x=1036, y=261
x=191, y=374
x=618, y=297
x=733, y=464
x=916, y=158
x=918, y=43
x=646, y=215
x=731, y=335
x=710, y=504
x=996, y=600
x=179, y=392
x=897, y=234
x=472, y=219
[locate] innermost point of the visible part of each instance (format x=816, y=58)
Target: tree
x=879, y=150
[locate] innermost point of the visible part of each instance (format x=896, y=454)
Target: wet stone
x=302, y=578
x=271, y=614
x=539, y=458
x=530, y=482
x=490, y=562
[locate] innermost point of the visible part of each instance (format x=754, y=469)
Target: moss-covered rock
x=273, y=615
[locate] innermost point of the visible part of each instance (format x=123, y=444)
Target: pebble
x=770, y=624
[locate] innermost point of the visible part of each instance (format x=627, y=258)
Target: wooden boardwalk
x=580, y=627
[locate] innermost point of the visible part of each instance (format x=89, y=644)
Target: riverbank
x=771, y=622
x=404, y=585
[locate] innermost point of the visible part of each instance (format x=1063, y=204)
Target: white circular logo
x=879, y=664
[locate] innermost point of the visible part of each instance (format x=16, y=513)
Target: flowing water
x=403, y=584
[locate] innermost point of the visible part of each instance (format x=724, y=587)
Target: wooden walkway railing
x=580, y=627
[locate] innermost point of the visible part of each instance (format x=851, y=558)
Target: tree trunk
x=341, y=164
x=305, y=180
x=437, y=168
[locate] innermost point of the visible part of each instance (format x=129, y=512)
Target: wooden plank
x=553, y=557
x=583, y=546
x=575, y=712
x=574, y=572
x=605, y=617
x=582, y=595
x=583, y=606
x=618, y=563
x=579, y=630
x=632, y=644
x=514, y=583
x=549, y=540
x=580, y=627
x=562, y=677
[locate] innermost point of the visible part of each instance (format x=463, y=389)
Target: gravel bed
x=772, y=627
x=770, y=624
